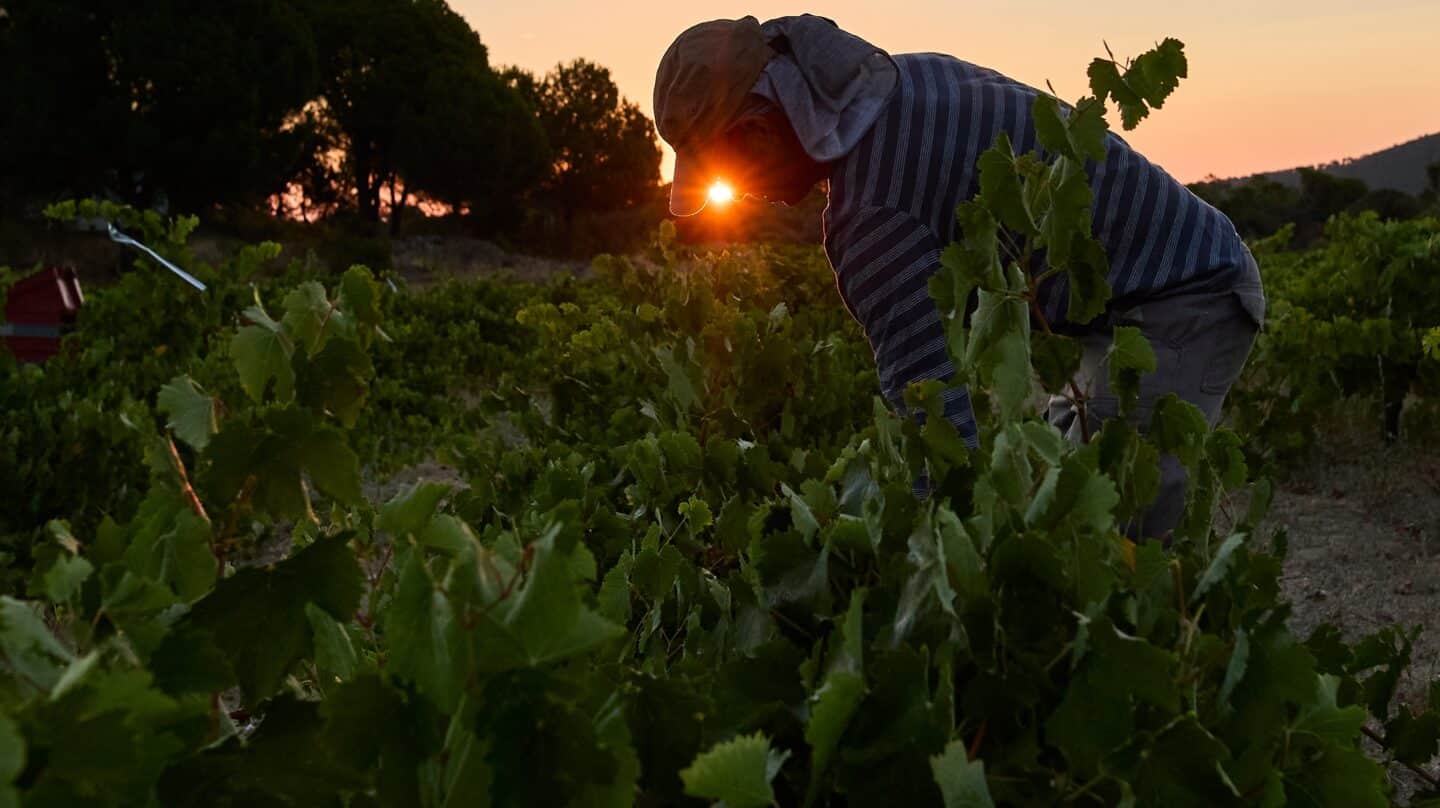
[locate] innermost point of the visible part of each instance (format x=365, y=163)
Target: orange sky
x=1273, y=83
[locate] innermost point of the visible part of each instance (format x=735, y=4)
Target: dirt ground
x=1363, y=521
x=424, y=260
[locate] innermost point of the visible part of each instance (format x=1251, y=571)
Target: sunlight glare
x=721, y=194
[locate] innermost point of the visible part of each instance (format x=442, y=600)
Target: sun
x=721, y=193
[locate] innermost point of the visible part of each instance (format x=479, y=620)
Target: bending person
x=775, y=108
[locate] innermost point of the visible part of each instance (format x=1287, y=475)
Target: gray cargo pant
x=1201, y=341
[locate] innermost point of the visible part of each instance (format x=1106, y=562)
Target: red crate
x=38, y=310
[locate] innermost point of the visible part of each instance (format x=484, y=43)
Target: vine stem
x=527, y=557
x=1076, y=397
x=231, y=524
x=1429, y=778
x=1180, y=592
x=185, y=486
x=1085, y=788
x=975, y=743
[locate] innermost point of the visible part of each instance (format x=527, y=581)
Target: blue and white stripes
x=892, y=208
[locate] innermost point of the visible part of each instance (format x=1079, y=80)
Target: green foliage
x=686, y=560
x=1261, y=207
x=737, y=772
x=1348, y=318
x=1147, y=80
x=191, y=412
x=961, y=781
x=257, y=617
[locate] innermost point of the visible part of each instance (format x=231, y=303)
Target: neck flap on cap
x=831, y=84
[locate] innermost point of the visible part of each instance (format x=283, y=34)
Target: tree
x=215, y=90
x=1431, y=194
x=1390, y=204
x=62, y=126
x=473, y=143
x=605, y=152
x=1325, y=195
x=1257, y=206
x=154, y=101
x=409, y=88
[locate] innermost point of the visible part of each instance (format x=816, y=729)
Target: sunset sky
x=1273, y=83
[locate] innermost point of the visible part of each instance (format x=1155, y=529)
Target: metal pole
x=120, y=238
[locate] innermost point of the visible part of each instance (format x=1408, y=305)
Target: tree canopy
x=605, y=152
x=303, y=106
x=1260, y=206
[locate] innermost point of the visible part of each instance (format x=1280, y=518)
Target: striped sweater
x=892, y=203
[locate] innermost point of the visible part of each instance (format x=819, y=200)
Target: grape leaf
x=1410, y=738
x=835, y=703
x=360, y=295
x=1000, y=187
x=1147, y=82
x=1325, y=718
x=545, y=620
x=737, y=771
x=961, y=780
x=1340, y=776
x=334, y=653
x=1078, y=495
x=12, y=753
x=1056, y=359
x=1178, y=427
x=306, y=311
x=1185, y=766
x=393, y=758
x=1129, y=357
x=682, y=387
x=411, y=509
x=331, y=463
x=1050, y=125
x=1087, y=128
x=29, y=648
x=191, y=412
x=1065, y=225
x=1077, y=133
x=271, y=458
x=286, y=761
x=176, y=553
x=1156, y=73
x=800, y=513
x=189, y=661
x=1219, y=565
x=424, y=636
x=262, y=355
x=64, y=577
x=336, y=380
x=257, y=616
x=1089, y=282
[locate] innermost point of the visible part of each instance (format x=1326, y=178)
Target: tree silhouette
x=352, y=103
x=153, y=101
x=418, y=110
x=1431, y=195
x=604, y=148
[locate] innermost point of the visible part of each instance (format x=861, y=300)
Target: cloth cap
x=831, y=84
x=700, y=86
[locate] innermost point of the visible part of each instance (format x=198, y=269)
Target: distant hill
x=1401, y=167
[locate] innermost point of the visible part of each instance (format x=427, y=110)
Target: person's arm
x=883, y=261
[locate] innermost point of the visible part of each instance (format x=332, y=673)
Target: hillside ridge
x=1400, y=167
